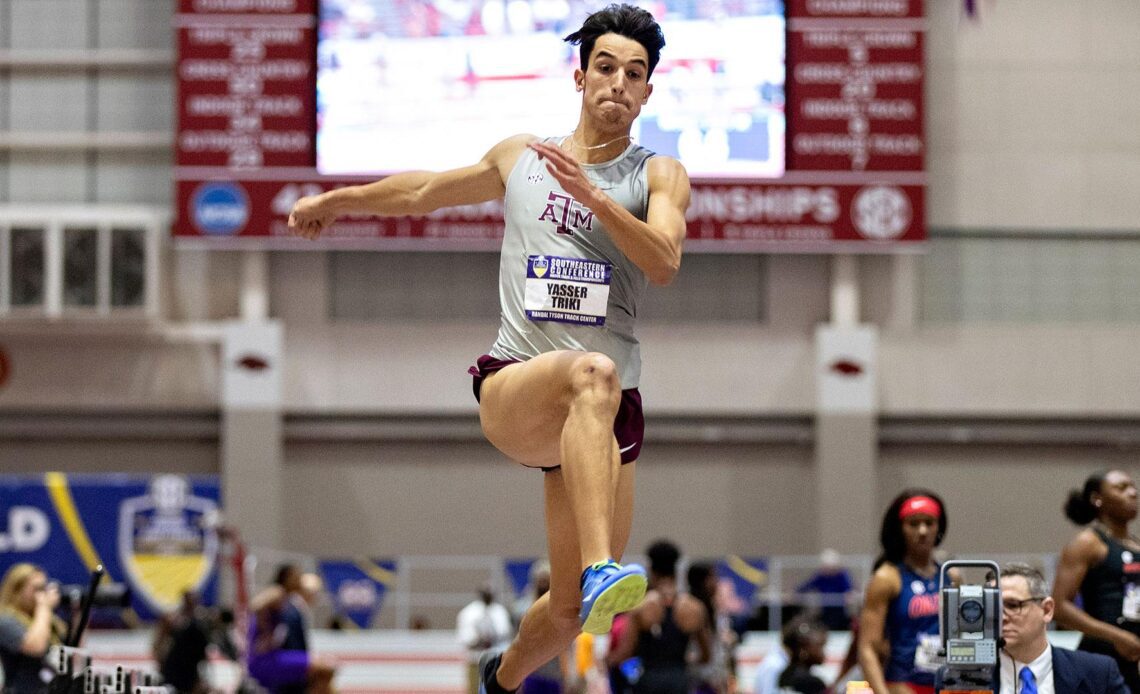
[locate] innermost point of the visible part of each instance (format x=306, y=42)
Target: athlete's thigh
x=523, y=407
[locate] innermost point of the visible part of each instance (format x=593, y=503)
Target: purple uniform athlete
x=278, y=643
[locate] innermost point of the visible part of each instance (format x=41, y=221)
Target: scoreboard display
x=800, y=124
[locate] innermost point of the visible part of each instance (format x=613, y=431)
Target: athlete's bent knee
x=596, y=375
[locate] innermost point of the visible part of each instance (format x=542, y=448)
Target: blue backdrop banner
x=157, y=534
x=357, y=586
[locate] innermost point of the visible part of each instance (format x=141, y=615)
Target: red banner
x=799, y=213
x=855, y=95
x=855, y=144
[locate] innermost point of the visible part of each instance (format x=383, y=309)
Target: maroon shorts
x=629, y=424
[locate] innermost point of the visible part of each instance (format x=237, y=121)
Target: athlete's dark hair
x=891, y=535
x=1079, y=507
x=698, y=576
x=623, y=20
x=663, y=556
x=283, y=573
x=798, y=632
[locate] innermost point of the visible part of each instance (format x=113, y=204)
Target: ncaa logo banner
x=357, y=586
x=154, y=534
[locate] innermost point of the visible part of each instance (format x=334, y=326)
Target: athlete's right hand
x=1127, y=645
x=309, y=217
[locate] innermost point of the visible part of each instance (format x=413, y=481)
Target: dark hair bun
x=1079, y=509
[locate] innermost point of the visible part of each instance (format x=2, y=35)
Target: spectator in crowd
x=900, y=612
x=715, y=676
x=1028, y=662
x=805, y=641
x=279, y=658
x=482, y=625
x=1102, y=565
x=832, y=584
x=28, y=627
x=538, y=584
x=775, y=661
x=660, y=630
x=181, y=640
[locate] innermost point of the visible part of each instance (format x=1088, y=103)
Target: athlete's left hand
x=567, y=171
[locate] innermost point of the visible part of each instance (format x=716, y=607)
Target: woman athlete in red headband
x=898, y=627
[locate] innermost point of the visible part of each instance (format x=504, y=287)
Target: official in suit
x=1029, y=664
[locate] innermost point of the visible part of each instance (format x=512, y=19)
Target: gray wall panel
x=451, y=498
x=40, y=24
x=19, y=456
x=134, y=178
x=49, y=102
x=43, y=177
x=127, y=102
x=135, y=23
x=1000, y=499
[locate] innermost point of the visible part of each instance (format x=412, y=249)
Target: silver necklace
x=593, y=147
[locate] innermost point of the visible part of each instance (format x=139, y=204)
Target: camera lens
x=971, y=611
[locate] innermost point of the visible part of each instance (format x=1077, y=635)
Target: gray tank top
x=563, y=283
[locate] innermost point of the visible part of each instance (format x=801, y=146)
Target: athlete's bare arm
x=412, y=192
x=270, y=598
x=1086, y=550
x=653, y=245
x=885, y=586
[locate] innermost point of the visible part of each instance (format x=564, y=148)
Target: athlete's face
x=919, y=531
x=615, y=83
x=1117, y=496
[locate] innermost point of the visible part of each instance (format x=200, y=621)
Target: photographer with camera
x=28, y=627
x=1029, y=665
x=900, y=612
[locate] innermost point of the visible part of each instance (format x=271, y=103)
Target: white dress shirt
x=479, y=626
x=768, y=672
x=1041, y=667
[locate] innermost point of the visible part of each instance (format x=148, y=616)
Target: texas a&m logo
x=567, y=214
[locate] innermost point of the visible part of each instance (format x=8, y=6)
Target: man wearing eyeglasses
x=1029, y=665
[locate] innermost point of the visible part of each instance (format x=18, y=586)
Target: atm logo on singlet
x=922, y=606
x=567, y=214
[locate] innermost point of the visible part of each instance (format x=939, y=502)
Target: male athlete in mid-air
x=591, y=218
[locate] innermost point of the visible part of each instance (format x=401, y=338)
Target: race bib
x=567, y=290
x=1130, y=610
x=926, y=656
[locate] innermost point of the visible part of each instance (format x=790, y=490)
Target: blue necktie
x=1028, y=681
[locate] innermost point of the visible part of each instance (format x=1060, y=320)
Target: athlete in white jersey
x=552, y=388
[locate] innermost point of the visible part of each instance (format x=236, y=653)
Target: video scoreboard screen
x=433, y=85
x=799, y=122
